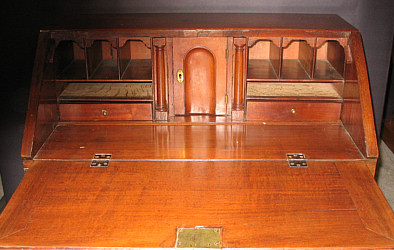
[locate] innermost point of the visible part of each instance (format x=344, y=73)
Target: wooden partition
x=70, y=61
x=135, y=61
x=264, y=61
x=297, y=60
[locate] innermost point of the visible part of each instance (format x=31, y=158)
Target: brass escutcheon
x=179, y=76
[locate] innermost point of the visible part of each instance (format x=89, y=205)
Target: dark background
x=22, y=20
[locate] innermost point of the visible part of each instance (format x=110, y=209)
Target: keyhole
x=179, y=76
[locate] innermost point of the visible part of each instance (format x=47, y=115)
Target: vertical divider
x=161, y=107
x=238, y=107
x=314, y=59
x=118, y=58
x=280, y=58
x=170, y=76
x=86, y=59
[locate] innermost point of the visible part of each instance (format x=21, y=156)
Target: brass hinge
x=297, y=160
x=226, y=53
x=226, y=98
x=100, y=160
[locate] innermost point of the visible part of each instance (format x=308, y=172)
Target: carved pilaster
x=161, y=103
x=238, y=106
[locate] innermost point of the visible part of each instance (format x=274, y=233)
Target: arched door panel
x=200, y=82
x=202, y=86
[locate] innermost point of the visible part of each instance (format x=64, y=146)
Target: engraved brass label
x=198, y=238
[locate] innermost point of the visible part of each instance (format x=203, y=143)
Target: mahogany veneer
x=199, y=112
x=140, y=204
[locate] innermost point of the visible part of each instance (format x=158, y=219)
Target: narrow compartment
x=69, y=61
x=102, y=61
x=264, y=60
x=297, y=60
x=135, y=61
x=330, y=61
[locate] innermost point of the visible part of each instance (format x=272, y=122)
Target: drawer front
x=105, y=111
x=293, y=111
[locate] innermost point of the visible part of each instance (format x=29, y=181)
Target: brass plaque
x=198, y=238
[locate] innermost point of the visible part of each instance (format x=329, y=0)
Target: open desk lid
x=254, y=204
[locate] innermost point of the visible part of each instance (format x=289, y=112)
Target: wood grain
x=261, y=69
x=293, y=69
x=240, y=64
x=77, y=91
x=294, y=111
x=258, y=204
x=161, y=101
x=275, y=57
x=365, y=96
x=305, y=56
x=217, y=46
x=188, y=142
x=324, y=70
x=40, y=116
x=336, y=56
x=289, y=89
x=374, y=210
x=200, y=82
x=105, y=111
x=138, y=69
x=200, y=170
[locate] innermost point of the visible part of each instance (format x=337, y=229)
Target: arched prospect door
x=200, y=66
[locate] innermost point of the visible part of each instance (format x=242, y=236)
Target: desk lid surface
x=179, y=142
x=141, y=204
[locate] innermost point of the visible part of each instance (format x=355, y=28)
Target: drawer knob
x=293, y=111
x=105, y=112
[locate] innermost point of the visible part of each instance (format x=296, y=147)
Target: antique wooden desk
x=199, y=130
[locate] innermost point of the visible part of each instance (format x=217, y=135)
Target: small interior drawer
x=294, y=111
x=105, y=111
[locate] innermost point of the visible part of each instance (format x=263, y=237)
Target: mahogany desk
x=201, y=131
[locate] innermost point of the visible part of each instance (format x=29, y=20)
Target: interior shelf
x=261, y=69
x=261, y=90
x=138, y=69
x=135, y=61
x=114, y=91
x=75, y=70
x=297, y=61
x=103, y=61
x=324, y=70
x=106, y=69
x=69, y=61
x=293, y=69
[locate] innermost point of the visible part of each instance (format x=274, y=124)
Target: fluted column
x=161, y=103
x=238, y=104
